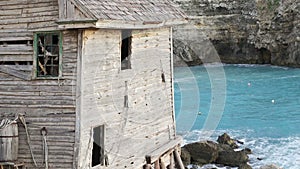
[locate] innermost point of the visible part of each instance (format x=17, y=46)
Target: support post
x=148, y=163
x=178, y=159
x=162, y=164
x=171, y=166
x=156, y=165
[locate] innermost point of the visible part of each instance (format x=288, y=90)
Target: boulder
x=203, y=152
x=247, y=150
x=245, y=166
x=229, y=157
x=209, y=152
x=225, y=139
x=270, y=167
x=185, y=156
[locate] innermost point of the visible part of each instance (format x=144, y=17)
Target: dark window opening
x=15, y=63
x=98, y=156
x=17, y=42
x=126, y=49
x=47, y=51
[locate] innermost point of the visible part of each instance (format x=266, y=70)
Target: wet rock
x=225, y=139
x=229, y=157
x=247, y=150
x=270, y=167
x=245, y=166
x=240, y=142
x=203, y=152
x=208, y=152
x=185, y=156
x=258, y=158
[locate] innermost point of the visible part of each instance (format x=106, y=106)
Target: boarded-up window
x=16, y=58
x=47, y=50
x=126, y=49
x=98, y=146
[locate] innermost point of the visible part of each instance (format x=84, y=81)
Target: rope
x=45, y=146
x=6, y=122
x=22, y=119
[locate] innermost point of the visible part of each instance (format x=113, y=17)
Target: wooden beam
x=74, y=21
x=16, y=71
x=171, y=166
x=119, y=24
x=162, y=164
x=178, y=159
x=16, y=58
x=156, y=154
x=156, y=165
x=76, y=25
x=115, y=24
x=78, y=98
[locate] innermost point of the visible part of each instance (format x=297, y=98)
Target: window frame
x=35, y=56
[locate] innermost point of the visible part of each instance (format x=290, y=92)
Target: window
x=126, y=49
x=47, y=51
x=98, y=157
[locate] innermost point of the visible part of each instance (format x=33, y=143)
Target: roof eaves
x=121, y=24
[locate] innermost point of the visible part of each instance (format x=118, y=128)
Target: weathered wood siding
x=45, y=103
x=147, y=123
x=18, y=18
x=68, y=11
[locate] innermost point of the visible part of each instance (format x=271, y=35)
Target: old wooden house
x=92, y=81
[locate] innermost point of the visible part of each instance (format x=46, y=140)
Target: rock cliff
x=242, y=31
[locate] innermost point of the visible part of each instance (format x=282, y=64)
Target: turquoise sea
x=257, y=104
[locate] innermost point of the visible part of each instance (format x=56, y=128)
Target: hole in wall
x=163, y=79
x=98, y=146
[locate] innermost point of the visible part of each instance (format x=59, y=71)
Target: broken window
x=126, y=49
x=98, y=157
x=47, y=49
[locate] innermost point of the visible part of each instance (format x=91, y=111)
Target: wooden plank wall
x=147, y=123
x=45, y=103
x=68, y=11
x=18, y=18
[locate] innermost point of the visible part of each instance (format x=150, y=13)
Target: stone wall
x=246, y=31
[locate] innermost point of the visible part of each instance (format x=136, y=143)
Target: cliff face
x=244, y=31
x=279, y=31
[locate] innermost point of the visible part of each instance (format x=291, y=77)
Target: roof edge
x=121, y=24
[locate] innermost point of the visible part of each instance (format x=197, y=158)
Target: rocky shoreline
x=239, y=32
x=224, y=152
